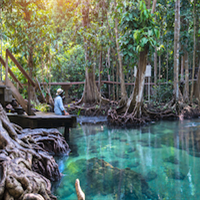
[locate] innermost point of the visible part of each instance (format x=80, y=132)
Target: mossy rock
x=102, y=178
x=172, y=159
x=150, y=176
x=173, y=174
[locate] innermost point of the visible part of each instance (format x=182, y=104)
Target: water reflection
x=160, y=161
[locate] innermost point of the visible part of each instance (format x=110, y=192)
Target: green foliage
x=139, y=29
x=53, y=33
x=162, y=92
x=79, y=112
x=43, y=107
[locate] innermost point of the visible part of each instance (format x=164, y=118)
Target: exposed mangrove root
x=127, y=119
x=26, y=167
x=141, y=115
x=97, y=109
x=79, y=192
x=49, y=139
x=123, y=101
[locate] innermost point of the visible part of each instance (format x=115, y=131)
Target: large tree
x=141, y=33
x=30, y=28
x=176, y=49
x=121, y=73
x=88, y=12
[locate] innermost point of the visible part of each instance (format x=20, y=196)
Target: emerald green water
x=166, y=154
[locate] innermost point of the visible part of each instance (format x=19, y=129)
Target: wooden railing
x=8, y=53
x=105, y=82
x=8, y=83
x=11, y=73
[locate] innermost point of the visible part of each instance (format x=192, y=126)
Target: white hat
x=59, y=91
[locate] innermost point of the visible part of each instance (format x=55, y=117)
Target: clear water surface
x=158, y=161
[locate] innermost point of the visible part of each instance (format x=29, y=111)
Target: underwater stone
x=115, y=163
x=94, y=151
x=102, y=178
x=123, y=140
x=122, y=155
x=150, y=176
x=156, y=145
x=172, y=159
x=115, y=138
x=172, y=173
x=130, y=150
x=135, y=164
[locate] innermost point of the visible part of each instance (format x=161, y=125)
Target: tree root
x=141, y=115
x=26, y=167
x=48, y=139
x=96, y=109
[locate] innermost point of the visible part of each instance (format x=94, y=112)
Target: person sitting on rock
x=58, y=104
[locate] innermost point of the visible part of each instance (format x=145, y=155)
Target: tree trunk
x=33, y=96
x=133, y=111
x=149, y=4
x=135, y=101
x=167, y=64
x=108, y=63
x=113, y=73
x=154, y=6
x=182, y=67
x=186, y=91
x=121, y=74
x=198, y=84
x=90, y=93
x=117, y=80
x=155, y=67
x=100, y=71
x=155, y=54
x=176, y=49
x=194, y=51
x=132, y=78
x=159, y=67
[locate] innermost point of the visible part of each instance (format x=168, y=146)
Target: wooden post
x=17, y=86
x=66, y=133
x=6, y=80
x=29, y=100
x=149, y=89
x=1, y=43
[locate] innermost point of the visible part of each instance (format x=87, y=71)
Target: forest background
x=71, y=41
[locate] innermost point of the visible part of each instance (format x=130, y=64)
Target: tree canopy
x=49, y=37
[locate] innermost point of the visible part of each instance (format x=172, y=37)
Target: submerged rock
x=150, y=176
x=115, y=163
x=172, y=173
x=172, y=159
x=123, y=140
x=156, y=144
x=100, y=177
x=131, y=149
x=134, y=164
x=122, y=155
x=116, y=138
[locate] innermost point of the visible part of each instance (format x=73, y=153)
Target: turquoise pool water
x=158, y=161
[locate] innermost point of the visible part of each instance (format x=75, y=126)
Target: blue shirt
x=58, y=105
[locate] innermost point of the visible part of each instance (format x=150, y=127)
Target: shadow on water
x=159, y=161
